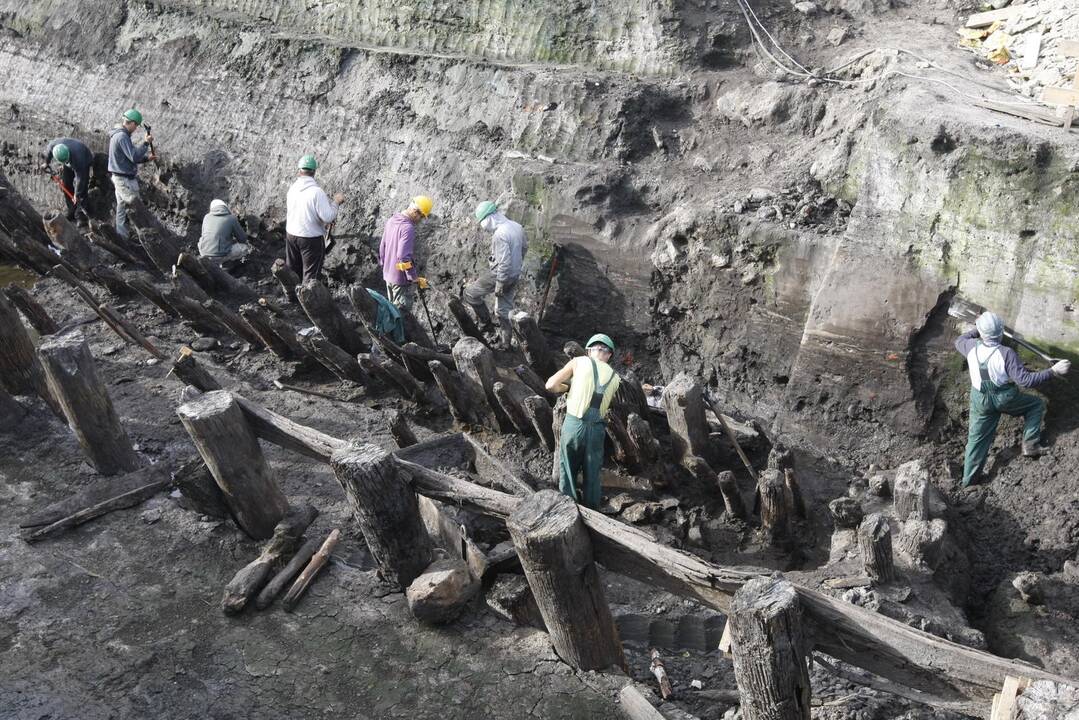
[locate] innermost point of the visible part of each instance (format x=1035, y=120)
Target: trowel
x=967, y=311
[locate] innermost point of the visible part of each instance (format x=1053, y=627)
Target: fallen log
x=97, y=492
x=306, y=391
x=239, y=327
x=142, y=284
x=187, y=368
x=250, y=579
x=292, y=597
x=275, y=334
x=198, y=489
x=317, y=301
x=541, y=417
x=401, y=432
x=533, y=343
x=21, y=372
x=281, y=431
x=195, y=313
x=36, y=259
x=331, y=357
x=286, y=574
x=31, y=309
x=156, y=480
x=511, y=397
x=426, y=354
x=160, y=248
x=465, y=321
x=106, y=237
x=286, y=277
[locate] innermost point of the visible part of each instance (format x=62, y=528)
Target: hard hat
x=61, y=154
x=600, y=339
x=990, y=326
x=484, y=209
x=134, y=116
x=308, y=162
x=424, y=204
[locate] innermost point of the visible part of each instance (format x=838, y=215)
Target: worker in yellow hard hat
x=396, y=252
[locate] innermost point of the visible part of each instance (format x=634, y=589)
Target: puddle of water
x=15, y=274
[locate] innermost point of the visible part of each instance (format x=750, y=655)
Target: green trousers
x=986, y=408
x=580, y=449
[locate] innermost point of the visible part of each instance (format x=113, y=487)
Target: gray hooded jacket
x=124, y=156
x=508, y=247
x=220, y=230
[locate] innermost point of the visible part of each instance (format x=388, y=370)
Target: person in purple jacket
x=996, y=373
x=395, y=252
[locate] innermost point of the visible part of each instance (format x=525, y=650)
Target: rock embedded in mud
x=442, y=591
x=878, y=486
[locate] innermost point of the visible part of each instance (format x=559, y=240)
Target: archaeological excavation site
x=498, y=360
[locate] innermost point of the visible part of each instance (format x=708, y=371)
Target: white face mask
x=488, y=223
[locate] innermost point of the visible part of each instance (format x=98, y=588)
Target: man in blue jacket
x=996, y=373
x=124, y=160
x=75, y=162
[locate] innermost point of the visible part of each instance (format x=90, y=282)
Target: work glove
x=1062, y=367
x=338, y=198
x=422, y=283
x=404, y=266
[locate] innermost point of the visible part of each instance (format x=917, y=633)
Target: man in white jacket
x=508, y=248
x=309, y=213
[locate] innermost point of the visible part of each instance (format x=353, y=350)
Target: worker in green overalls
x=591, y=384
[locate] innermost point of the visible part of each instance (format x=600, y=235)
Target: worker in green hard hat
x=508, y=247
x=309, y=213
x=76, y=160
x=591, y=384
x=124, y=160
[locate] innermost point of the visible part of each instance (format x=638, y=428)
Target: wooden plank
x=1060, y=96
x=636, y=706
x=985, y=19
x=725, y=641
x=1005, y=704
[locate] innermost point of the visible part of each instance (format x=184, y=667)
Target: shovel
x=965, y=310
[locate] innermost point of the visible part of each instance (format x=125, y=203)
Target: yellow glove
x=422, y=282
x=404, y=266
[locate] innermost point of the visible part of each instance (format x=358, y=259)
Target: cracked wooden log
x=198, y=489
x=625, y=452
x=286, y=574
x=104, y=236
x=777, y=508
x=770, y=651
x=540, y=415
x=197, y=270
x=556, y=554
x=476, y=364
x=558, y=416
x=457, y=394
x=281, y=431
x=725, y=481
x=285, y=276
x=533, y=343
x=387, y=511
x=144, y=285
x=239, y=327
x=911, y=492
x=286, y=538
x=276, y=334
x=629, y=397
x=73, y=246
x=226, y=283
x=33, y=257
x=875, y=542
x=32, y=310
x=75, y=383
x=187, y=368
x=201, y=319
x=535, y=383
x=330, y=356
x=160, y=248
x=11, y=412
x=400, y=430
x=184, y=284
x=465, y=322
x=640, y=434
x=228, y=445
x=317, y=301
x=401, y=379
x=317, y=562
x=684, y=400
x=511, y=397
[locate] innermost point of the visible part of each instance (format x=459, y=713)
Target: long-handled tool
x=550, y=278
x=969, y=312
x=422, y=287
x=150, y=133
x=730, y=436
x=328, y=240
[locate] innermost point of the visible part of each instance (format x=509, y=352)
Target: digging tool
x=550, y=279
x=730, y=436
x=60, y=183
x=969, y=312
x=328, y=240
x=150, y=132
x=422, y=288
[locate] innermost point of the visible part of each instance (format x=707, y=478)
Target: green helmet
x=308, y=162
x=134, y=116
x=484, y=209
x=61, y=154
x=600, y=339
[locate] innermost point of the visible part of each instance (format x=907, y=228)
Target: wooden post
x=192, y=310
x=330, y=356
x=541, y=417
x=387, y=511
x=401, y=432
x=777, y=507
x=625, y=450
x=20, y=370
x=510, y=398
x=73, y=246
x=251, y=577
x=770, y=650
x=556, y=554
x=319, y=305
x=449, y=382
x=640, y=434
x=234, y=322
x=11, y=412
x=409, y=386
x=160, y=248
x=198, y=272
x=911, y=491
x=288, y=279
x=725, y=481
x=199, y=489
x=529, y=377
x=533, y=343
x=225, y=283
x=74, y=381
x=465, y=321
x=558, y=416
x=112, y=244
x=228, y=445
x=275, y=333
x=684, y=401
x=875, y=542
x=31, y=309
x=476, y=363
x=187, y=368
x=144, y=285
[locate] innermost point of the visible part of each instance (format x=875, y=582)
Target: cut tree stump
x=541, y=417
x=529, y=377
x=684, y=400
x=533, y=343
x=31, y=309
x=476, y=364
x=199, y=491
x=20, y=369
x=232, y=453
x=187, y=368
x=875, y=542
x=286, y=277
x=250, y=579
x=75, y=383
x=511, y=397
x=457, y=395
x=465, y=322
x=770, y=650
x=401, y=432
x=777, y=508
x=387, y=511
x=332, y=357
x=911, y=491
x=318, y=560
x=317, y=301
x=725, y=481
x=73, y=246
x=556, y=554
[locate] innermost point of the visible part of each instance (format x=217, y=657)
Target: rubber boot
x=1032, y=449
x=505, y=333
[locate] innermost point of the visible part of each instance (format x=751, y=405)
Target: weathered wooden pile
x=774, y=624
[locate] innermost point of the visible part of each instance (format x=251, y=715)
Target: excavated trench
x=793, y=246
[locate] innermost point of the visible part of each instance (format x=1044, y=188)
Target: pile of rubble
x=800, y=204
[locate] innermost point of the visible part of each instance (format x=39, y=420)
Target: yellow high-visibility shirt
x=581, y=387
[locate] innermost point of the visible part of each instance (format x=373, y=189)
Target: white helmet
x=990, y=326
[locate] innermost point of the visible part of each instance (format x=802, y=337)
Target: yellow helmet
x=423, y=204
